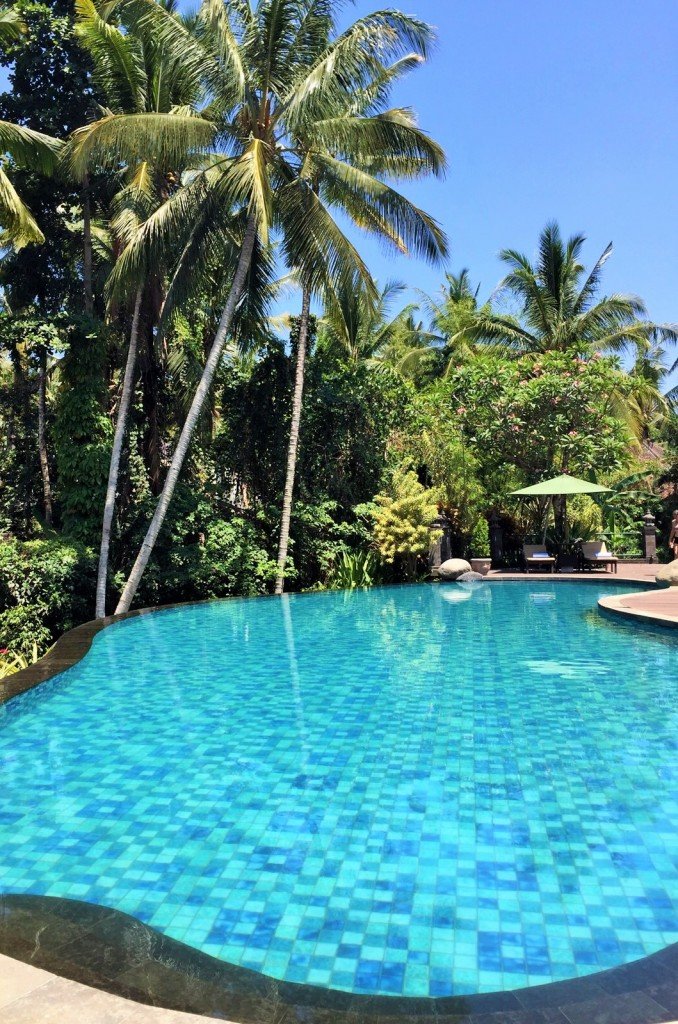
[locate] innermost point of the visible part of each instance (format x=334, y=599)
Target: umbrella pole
x=549, y=503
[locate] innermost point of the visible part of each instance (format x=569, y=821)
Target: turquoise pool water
x=418, y=790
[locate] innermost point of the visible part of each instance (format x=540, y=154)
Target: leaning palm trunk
x=114, y=468
x=202, y=391
x=42, y=440
x=294, y=441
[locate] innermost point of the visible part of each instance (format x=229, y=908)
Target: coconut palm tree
x=359, y=327
x=646, y=407
x=270, y=77
x=135, y=77
x=27, y=148
x=561, y=310
x=368, y=101
x=456, y=317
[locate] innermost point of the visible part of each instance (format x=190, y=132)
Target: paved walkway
x=32, y=996
x=642, y=572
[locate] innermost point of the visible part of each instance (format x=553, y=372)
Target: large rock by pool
x=668, y=574
x=453, y=568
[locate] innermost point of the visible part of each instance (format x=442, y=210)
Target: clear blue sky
x=546, y=110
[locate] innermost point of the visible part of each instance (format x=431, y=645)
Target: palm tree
x=560, y=308
x=27, y=148
x=270, y=77
x=135, y=77
x=456, y=317
x=358, y=326
x=412, y=160
x=645, y=408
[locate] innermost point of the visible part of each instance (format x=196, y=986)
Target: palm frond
x=126, y=140
x=591, y=284
x=387, y=143
x=29, y=149
x=118, y=59
x=314, y=243
x=18, y=223
x=344, y=184
x=214, y=16
x=353, y=60
x=12, y=26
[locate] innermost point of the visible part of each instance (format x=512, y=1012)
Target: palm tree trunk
x=201, y=394
x=42, y=442
x=149, y=374
x=294, y=441
x=87, y=249
x=114, y=468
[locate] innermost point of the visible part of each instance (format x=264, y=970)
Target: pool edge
x=110, y=950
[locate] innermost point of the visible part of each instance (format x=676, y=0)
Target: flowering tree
x=534, y=417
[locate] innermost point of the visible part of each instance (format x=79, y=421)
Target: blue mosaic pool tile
x=389, y=791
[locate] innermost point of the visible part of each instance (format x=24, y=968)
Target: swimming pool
x=423, y=790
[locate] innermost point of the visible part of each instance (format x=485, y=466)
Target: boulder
x=453, y=568
x=667, y=574
x=469, y=577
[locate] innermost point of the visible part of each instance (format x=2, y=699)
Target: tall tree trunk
x=114, y=468
x=201, y=394
x=294, y=441
x=150, y=387
x=25, y=477
x=87, y=249
x=42, y=440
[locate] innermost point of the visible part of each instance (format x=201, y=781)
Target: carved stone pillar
x=441, y=548
x=496, y=540
x=650, y=537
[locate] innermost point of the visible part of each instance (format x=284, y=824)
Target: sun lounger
x=594, y=553
x=537, y=557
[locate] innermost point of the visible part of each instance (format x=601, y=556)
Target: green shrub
x=21, y=628
x=479, y=541
x=205, y=557
x=46, y=587
x=355, y=569
x=402, y=521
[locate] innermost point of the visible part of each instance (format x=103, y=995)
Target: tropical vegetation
x=204, y=391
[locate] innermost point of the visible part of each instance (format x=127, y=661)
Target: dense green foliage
x=46, y=588
x=408, y=412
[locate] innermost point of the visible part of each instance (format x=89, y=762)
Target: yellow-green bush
x=402, y=521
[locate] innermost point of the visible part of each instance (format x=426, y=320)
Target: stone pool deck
x=642, y=572
x=29, y=995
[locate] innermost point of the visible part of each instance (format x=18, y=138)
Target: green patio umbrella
x=560, y=485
